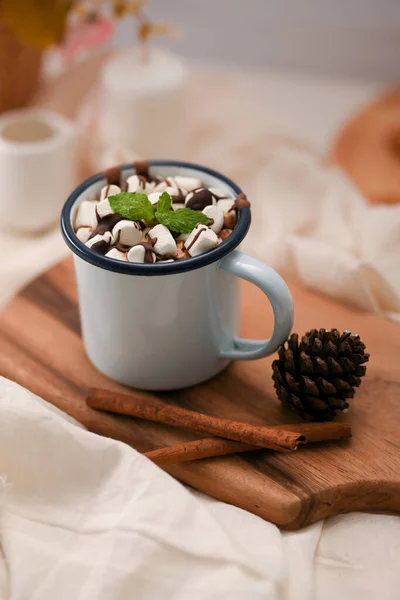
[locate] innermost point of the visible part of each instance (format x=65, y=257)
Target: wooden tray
x=40, y=348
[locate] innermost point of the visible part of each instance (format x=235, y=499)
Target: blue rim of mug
x=178, y=266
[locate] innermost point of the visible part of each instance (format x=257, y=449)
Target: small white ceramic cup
x=170, y=325
x=37, y=168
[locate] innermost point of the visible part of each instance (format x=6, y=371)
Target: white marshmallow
x=161, y=186
x=165, y=244
x=109, y=190
x=172, y=191
x=216, y=213
x=177, y=205
x=217, y=193
x=103, y=208
x=136, y=254
x=194, y=232
x=206, y=240
x=98, y=238
x=137, y=185
x=187, y=183
x=86, y=215
x=117, y=254
x=168, y=260
x=127, y=233
x=226, y=204
x=154, y=197
x=84, y=233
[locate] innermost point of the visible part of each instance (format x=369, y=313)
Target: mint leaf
x=164, y=203
x=132, y=206
x=182, y=220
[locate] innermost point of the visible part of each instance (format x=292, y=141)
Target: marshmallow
x=217, y=193
x=195, y=232
x=173, y=191
x=86, y=215
x=117, y=254
x=154, y=197
x=161, y=186
x=216, y=214
x=226, y=204
x=137, y=184
x=187, y=183
x=127, y=233
x=103, y=208
x=206, y=241
x=165, y=244
x=168, y=260
x=136, y=254
x=100, y=242
x=199, y=199
x=84, y=233
x=109, y=190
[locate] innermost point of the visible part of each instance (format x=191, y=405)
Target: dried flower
x=37, y=23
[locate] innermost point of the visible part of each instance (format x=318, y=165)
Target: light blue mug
x=166, y=326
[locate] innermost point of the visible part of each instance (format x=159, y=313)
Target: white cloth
x=310, y=222
x=86, y=517
x=23, y=257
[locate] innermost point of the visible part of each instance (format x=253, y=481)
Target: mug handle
x=278, y=294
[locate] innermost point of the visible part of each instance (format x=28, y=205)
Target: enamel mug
x=37, y=167
x=166, y=326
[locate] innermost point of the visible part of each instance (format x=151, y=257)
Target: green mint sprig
x=183, y=220
x=137, y=207
x=131, y=206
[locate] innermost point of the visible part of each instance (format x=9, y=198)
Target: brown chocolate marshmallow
x=199, y=199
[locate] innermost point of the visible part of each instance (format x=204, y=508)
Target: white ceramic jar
x=165, y=326
x=142, y=103
x=37, y=168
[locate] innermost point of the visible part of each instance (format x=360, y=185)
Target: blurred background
x=345, y=38
x=297, y=101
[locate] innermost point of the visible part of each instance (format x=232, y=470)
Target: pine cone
x=317, y=376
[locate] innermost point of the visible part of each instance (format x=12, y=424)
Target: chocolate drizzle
x=179, y=198
x=149, y=253
x=200, y=228
x=113, y=175
x=106, y=224
x=142, y=179
x=102, y=247
x=142, y=169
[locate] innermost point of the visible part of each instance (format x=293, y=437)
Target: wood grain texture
x=41, y=349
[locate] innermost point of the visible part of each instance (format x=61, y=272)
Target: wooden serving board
x=40, y=348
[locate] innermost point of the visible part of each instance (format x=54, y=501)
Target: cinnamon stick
x=150, y=408
x=204, y=448
x=212, y=447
